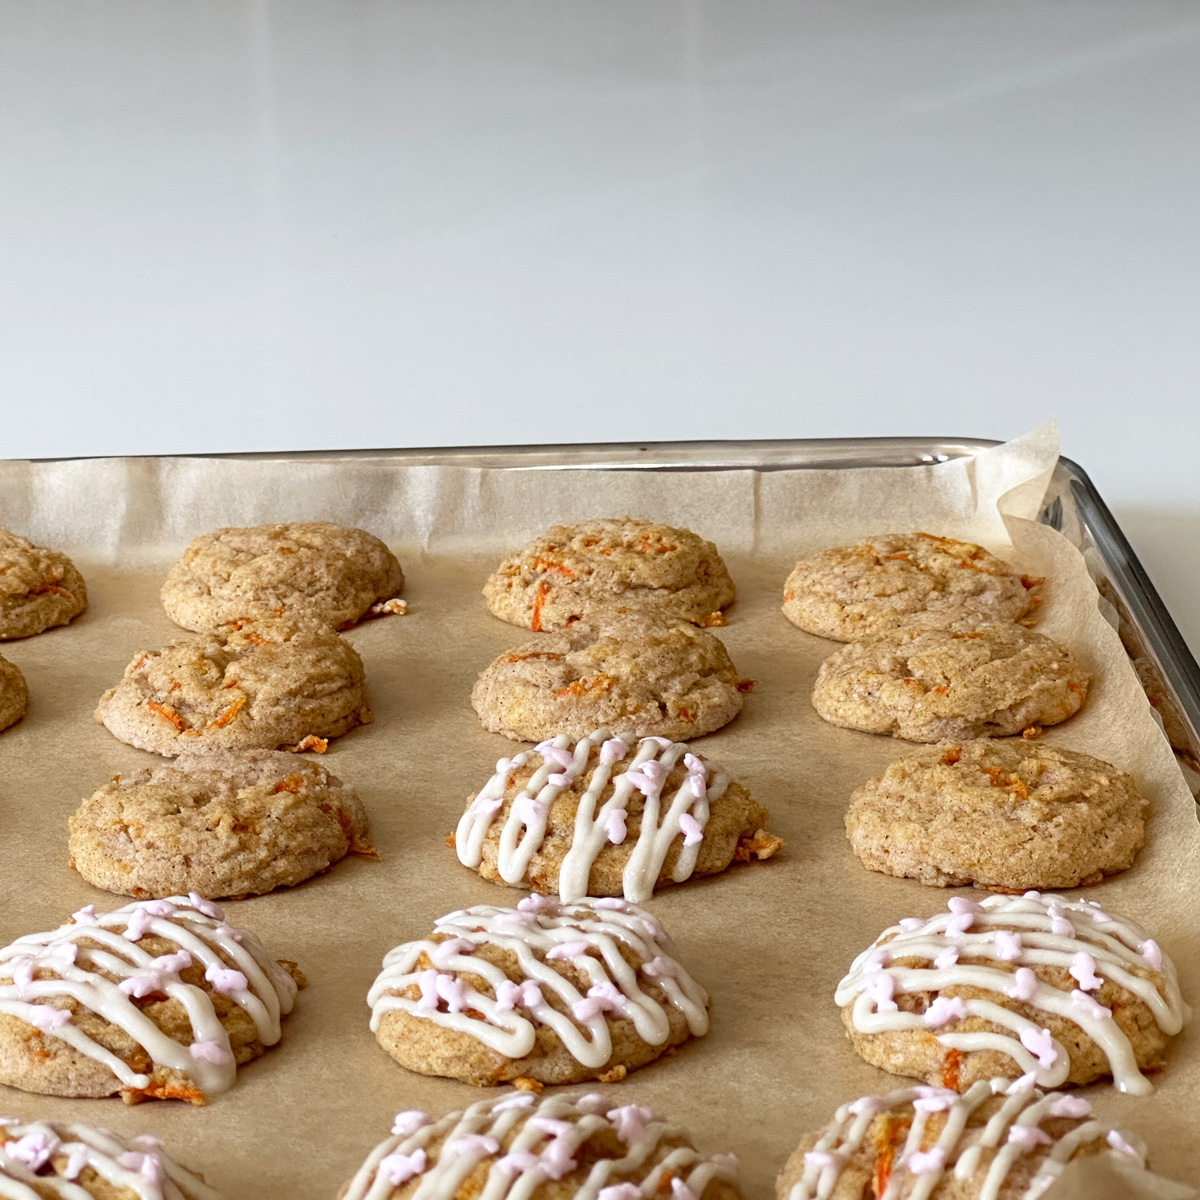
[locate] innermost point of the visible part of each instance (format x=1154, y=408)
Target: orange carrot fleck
x=312, y=742
x=952, y=755
x=229, y=714
x=747, y=685
x=166, y=712
x=539, y=599
x=950, y=1069
x=292, y=784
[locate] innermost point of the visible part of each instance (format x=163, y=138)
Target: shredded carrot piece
x=546, y=654
x=539, y=599
x=950, y=1069
x=228, y=715
x=1078, y=688
x=51, y=588
x=952, y=755
x=291, y=784
x=166, y=712
x=714, y=619
x=887, y=1136
x=1030, y=732
x=747, y=685
x=547, y=566
x=524, y=1084
x=900, y=556
x=761, y=845
x=312, y=742
x=684, y=715
x=941, y=690
x=579, y=686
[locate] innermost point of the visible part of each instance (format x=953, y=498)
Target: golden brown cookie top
x=555, y=1147
x=220, y=823
x=39, y=588
x=1000, y=1139
x=852, y=592
x=555, y=579
x=314, y=570
x=1004, y=814
x=48, y=1159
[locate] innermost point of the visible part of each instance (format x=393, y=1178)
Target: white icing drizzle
x=541, y=932
x=600, y=818
x=235, y=962
x=531, y=1140
x=138, y=1164
x=1021, y=932
x=1011, y=1132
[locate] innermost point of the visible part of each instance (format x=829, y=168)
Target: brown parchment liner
x=769, y=941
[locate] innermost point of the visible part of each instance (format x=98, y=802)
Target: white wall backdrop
x=252, y=224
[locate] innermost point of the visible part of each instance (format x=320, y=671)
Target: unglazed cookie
x=1040, y=986
x=852, y=592
x=45, y=1159
x=606, y=816
x=619, y=668
x=998, y=1141
x=1006, y=815
x=39, y=588
x=14, y=694
x=967, y=679
x=545, y=991
x=259, y=686
x=308, y=569
x=159, y=999
x=219, y=823
x=551, y=1147
x=571, y=568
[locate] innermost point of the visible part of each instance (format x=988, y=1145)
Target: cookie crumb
x=524, y=1084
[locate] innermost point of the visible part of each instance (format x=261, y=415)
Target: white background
x=255, y=225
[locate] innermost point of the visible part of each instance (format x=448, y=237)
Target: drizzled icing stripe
x=1017, y=933
x=137, y=1164
x=541, y=932
x=603, y=808
x=235, y=963
x=1011, y=1133
x=529, y=1141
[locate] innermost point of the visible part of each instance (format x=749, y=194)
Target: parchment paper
x=769, y=941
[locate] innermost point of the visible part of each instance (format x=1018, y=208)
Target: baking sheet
x=769, y=941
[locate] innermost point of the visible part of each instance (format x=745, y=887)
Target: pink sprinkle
x=681, y=1191
x=486, y=806
x=159, y=908
x=693, y=835
x=1120, y=1145
x=452, y=992
x=171, y=964
x=878, y=959
x=141, y=983
x=517, y=1162
x=911, y=924
x=944, y=1010
x=631, y=1121
x=660, y=968
x=560, y=780
x=46, y=1016
x=619, y=1191
x=959, y=925
x=1031, y=895
x=1040, y=1043
x=550, y=1126
x=825, y=1160
x=557, y=1159
x=1059, y=925
x=946, y=959
x=1008, y=945
x=559, y=755
x=400, y=1168
x=925, y=1162
x=1083, y=968
x=138, y=924
x=474, y=1143
x=522, y=920
x=225, y=980
x=572, y=949
x=1026, y=1137
x=614, y=826
x=614, y=904
x=961, y=905
x=601, y=998
x=34, y=1149
x=443, y=952
x=934, y=1099
x=1090, y=1006
x=149, y=1166
x=22, y=966
x=529, y=809
x=76, y=1161
x=506, y=766
x=409, y=1121
x=527, y=994
x=694, y=765
x=1070, y=1106
x=648, y=778
x=613, y=751
x=881, y=988
x=1024, y=985
x=85, y=916
x=147, y=1141
x=209, y=1051
x=428, y=985
x=1150, y=951
x=206, y=907
x=540, y=904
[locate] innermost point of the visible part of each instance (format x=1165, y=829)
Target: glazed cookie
x=308, y=569
x=14, y=694
x=39, y=588
x=966, y=678
x=159, y=999
x=1005, y=815
x=620, y=668
x=554, y=1147
x=606, y=816
x=219, y=823
x=264, y=685
x=1040, y=986
x=570, y=568
x=852, y=592
x=544, y=992
x=45, y=1159
x=998, y=1141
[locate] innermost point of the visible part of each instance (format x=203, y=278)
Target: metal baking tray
x=1168, y=669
